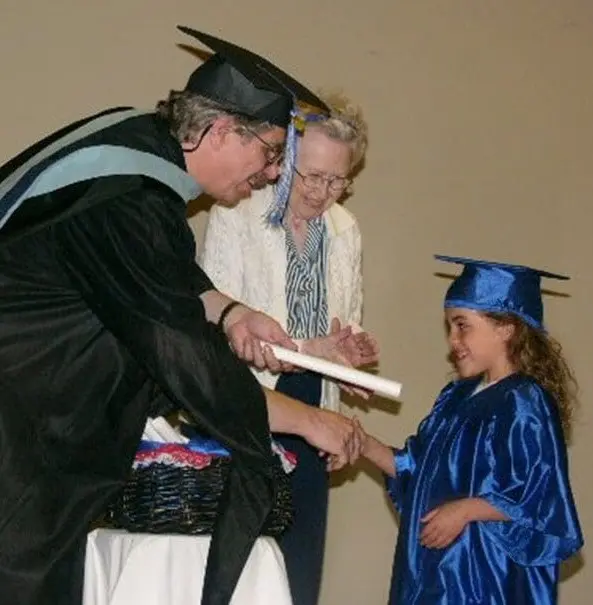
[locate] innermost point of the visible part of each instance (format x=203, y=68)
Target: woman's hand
x=342, y=346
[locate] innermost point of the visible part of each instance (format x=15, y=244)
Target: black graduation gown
x=99, y=314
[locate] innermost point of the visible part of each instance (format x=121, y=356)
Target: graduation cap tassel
x=284, y=185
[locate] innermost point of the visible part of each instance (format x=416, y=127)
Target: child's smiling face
x=478, y=344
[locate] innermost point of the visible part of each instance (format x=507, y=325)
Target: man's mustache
x=259, y=181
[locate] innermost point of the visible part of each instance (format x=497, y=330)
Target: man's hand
x=337, y=437
x=246, y=328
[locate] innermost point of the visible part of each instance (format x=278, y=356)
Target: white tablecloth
x=124, y=569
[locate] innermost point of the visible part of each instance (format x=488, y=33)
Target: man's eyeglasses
x=273, y=153
x=335, y=184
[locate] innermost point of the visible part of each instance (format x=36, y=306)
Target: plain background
x=481, y=145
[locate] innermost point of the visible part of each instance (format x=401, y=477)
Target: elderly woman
x=306, y=274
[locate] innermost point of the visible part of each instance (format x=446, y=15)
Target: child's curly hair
x=536, y=354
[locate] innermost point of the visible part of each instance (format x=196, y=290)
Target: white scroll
x=381, y=386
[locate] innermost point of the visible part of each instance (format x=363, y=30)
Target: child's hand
x=444, y=523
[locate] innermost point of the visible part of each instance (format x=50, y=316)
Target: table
x=123, y=569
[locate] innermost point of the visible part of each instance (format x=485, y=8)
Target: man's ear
x=214, y=135
x=220, y=130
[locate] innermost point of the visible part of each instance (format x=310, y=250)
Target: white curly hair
x=345, y=123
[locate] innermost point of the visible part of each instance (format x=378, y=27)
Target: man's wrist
x=231, y=314
x=226, y=311
x=308, y=423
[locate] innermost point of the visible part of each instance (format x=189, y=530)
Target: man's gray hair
x=187, y=114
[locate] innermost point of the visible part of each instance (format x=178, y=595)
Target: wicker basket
x=163, y=498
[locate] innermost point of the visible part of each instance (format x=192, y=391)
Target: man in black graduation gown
x=103, y=311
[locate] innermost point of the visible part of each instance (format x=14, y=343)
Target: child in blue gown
x=487, y=512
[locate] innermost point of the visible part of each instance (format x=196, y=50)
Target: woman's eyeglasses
x=336, y=184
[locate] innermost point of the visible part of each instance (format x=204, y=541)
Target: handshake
x=338, y=438
x=341, y=440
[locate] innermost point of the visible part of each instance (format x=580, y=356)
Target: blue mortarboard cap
x=498, y=288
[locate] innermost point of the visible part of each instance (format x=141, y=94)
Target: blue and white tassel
x=275, y=214
x=298, y=121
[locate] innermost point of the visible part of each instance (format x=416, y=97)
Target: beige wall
x=482, y=141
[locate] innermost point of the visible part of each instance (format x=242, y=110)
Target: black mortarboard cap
x=248, y=84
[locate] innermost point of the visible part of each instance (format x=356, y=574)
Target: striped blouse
x=306, y=295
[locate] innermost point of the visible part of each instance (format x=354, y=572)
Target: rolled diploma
x=381, y=386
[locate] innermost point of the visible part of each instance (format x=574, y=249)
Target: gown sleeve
x=405, y=463
x=406, y=457
x=132, y=260
x=528, y=481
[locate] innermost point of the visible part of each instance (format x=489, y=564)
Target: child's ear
x=507, y=330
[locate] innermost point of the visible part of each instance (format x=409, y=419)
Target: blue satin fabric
x=503, y=444
x=499, y=288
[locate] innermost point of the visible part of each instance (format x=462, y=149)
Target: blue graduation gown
x=505, y=445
